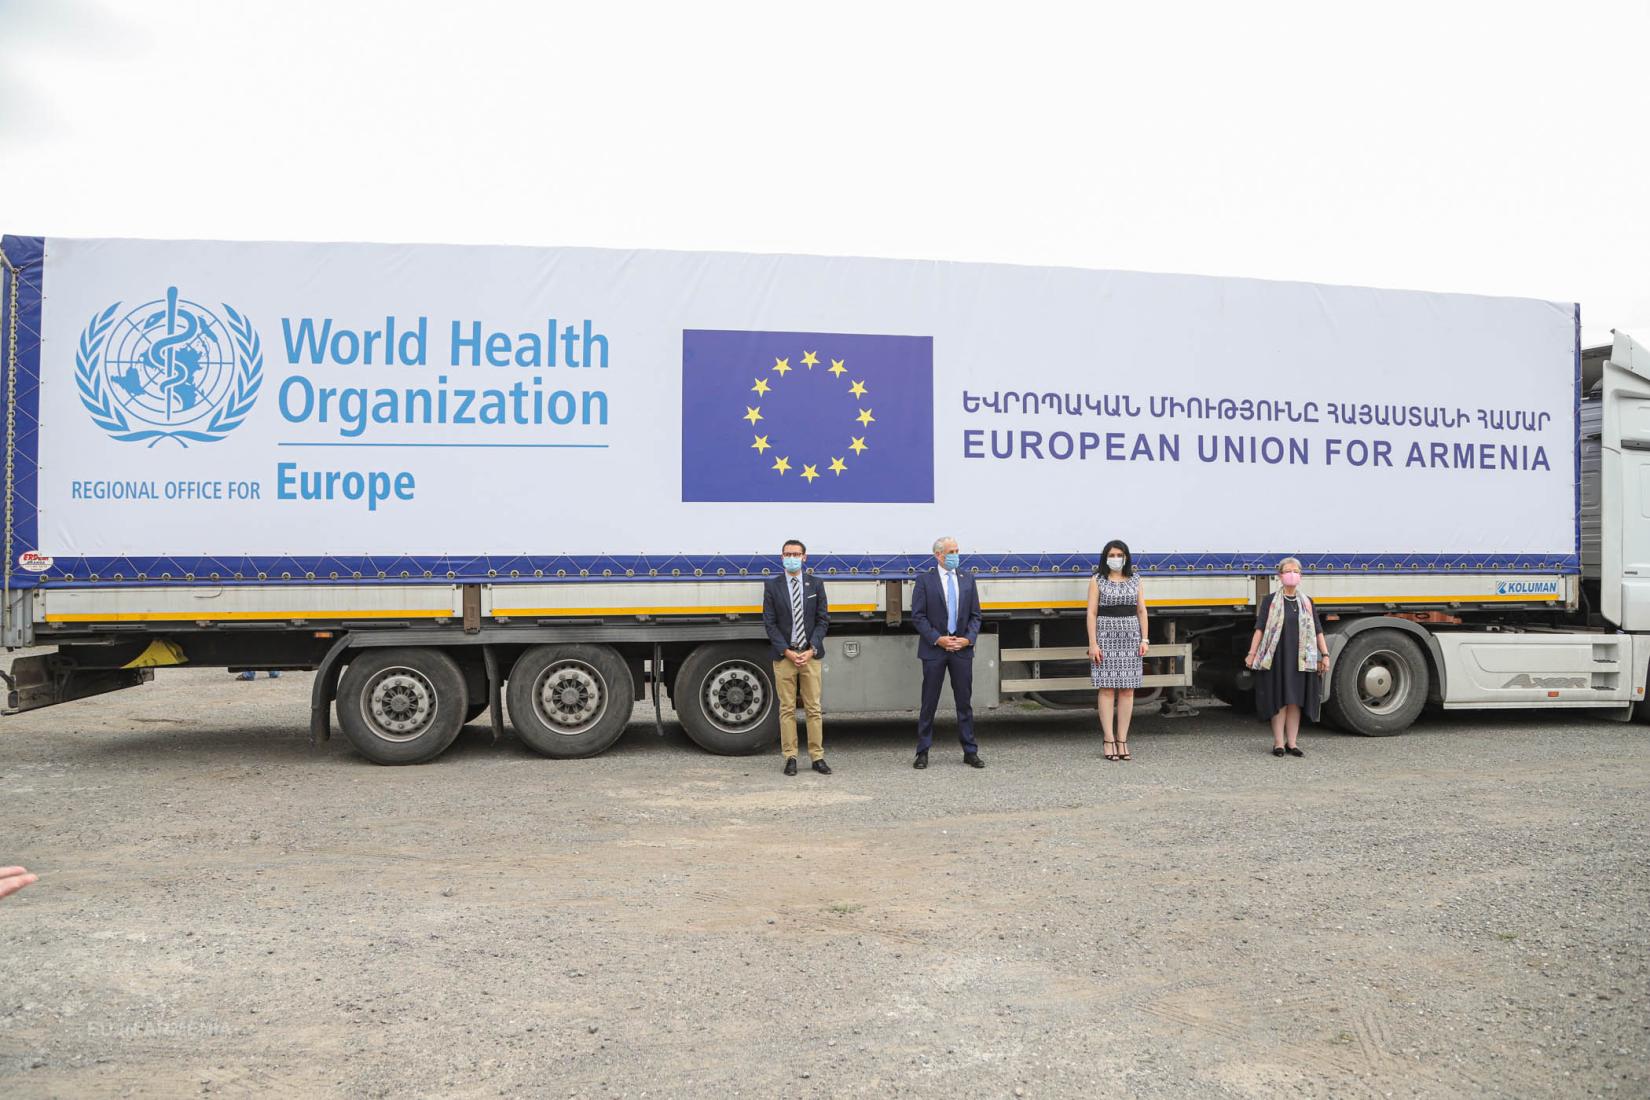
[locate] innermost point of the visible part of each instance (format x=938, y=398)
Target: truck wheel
x=568, y=701
x=1085, y=700
x=725, y=698
x=1062, y=700
x=1241, y=702
x=1378, y=685
x=401, y=706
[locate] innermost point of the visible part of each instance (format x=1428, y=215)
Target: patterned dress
x=1118, y=636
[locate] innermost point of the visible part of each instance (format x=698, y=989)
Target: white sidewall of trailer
x=994, y=329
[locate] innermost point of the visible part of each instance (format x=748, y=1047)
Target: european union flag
x=807, y=416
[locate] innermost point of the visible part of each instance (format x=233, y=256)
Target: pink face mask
x=1290, y=579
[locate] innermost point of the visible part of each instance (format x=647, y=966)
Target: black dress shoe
x=921, y=761
x=972, y=759
x=1293, y=751
x=1277, y=750
x=821, y=767
x=790, y=765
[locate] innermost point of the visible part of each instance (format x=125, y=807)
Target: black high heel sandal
x=1111, y=754
x=1123, y=749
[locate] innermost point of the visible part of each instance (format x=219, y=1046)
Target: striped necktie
x=799, y=636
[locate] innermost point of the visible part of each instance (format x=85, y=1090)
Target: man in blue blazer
x=945, y=609
x=795, y=614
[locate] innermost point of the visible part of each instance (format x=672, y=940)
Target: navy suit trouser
x=961, y=667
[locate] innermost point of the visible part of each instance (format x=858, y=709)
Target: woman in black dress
x=1288, y=654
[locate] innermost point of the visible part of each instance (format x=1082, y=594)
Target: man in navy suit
x=946, y=598
x=795, y=614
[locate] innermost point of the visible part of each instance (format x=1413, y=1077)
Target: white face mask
x=1114, y=564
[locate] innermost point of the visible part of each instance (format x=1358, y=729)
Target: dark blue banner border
x=1575, y=412
x=667, y=568
x=25, y=262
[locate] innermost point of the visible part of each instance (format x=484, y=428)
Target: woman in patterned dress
x=1117, y=642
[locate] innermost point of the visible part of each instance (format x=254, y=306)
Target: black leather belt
x=1118, y=610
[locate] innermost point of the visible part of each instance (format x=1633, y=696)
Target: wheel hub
x=400, y=703
x=570, y=697
x=1377, y=682
x=735, y=697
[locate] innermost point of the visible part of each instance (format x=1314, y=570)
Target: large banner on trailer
x=234, y=410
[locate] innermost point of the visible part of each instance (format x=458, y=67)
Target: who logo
x=169, y=369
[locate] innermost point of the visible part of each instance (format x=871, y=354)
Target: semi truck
x=545, y=485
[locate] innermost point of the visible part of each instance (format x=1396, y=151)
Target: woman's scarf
x=1307, y=659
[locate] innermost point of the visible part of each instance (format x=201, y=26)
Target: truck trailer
x=546, y=484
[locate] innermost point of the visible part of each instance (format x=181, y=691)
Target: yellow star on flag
x=761, y=444
x=782, y=366
x=761, y=385
x=837, y=369
x=865, y=416
x=782, y=464
x=753, y=414
x=809, y=473
x=837, y=466
x=810, y=359
x=857, y=389
x=858, y=444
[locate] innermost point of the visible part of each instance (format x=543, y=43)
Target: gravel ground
x=223, y=909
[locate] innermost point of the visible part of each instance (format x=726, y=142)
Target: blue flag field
x=807, y=416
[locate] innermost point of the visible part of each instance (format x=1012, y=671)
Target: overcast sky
x=1494, y=148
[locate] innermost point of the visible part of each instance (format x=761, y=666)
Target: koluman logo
x=169, y=369
x=1526, y=588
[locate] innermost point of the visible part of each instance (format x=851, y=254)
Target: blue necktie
x=950, y=603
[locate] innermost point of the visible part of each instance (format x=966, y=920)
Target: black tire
x=1641, y=711
x=401, y=706
x=725, y=697
x=569, y=701
x=1063, y=700
x=1378, y=684
x=1241, y=702
x=1085, y=700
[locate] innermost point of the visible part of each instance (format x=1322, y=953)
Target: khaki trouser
x=811, y=676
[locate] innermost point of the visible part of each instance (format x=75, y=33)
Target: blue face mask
x=793, y=565
x=952, y=559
